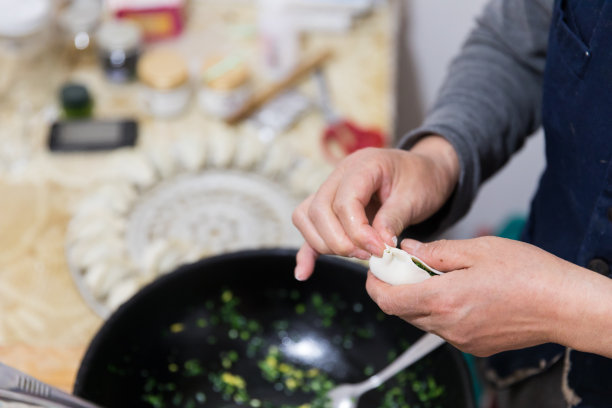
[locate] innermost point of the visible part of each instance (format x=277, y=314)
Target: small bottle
x=79, y=21
x=76, y=101
x=278, y=36
x=119, y=44
x=165, y=78
x=226, y=86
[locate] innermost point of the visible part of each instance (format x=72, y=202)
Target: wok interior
x=239, y=330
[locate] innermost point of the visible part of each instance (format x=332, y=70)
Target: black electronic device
x=92, y=135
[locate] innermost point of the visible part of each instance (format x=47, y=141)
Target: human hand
x=500, y=295
x=371, y=196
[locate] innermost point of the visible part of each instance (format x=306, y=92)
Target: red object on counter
x=343, y=138
x=158, y=19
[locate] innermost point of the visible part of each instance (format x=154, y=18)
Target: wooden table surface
x=45, y=325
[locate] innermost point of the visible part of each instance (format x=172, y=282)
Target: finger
x=325, y=221
x=305, y=262
x=393, y=216
x=444, y=255
x=312, y=236
x=350, y=203
x=302, y=221
x=407, y=301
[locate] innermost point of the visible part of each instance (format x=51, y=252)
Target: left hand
x=498, y=295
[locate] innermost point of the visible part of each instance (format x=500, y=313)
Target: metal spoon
x=347, y=395
x=16, y=386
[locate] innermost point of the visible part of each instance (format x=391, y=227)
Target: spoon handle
x=18, y=386
x=414, y=353
x=10, y=396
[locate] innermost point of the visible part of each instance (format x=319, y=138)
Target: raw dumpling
x=398, y=267
x=190, y=152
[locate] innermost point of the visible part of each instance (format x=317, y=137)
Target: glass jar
x=165, y=78
x=119, y=44
x=76, y=101
x=79, y=21
x=226, y=86
x=25, y=26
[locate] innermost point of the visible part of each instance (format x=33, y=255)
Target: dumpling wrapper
x=397, y=267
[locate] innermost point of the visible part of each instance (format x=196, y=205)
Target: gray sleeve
x=490, y=100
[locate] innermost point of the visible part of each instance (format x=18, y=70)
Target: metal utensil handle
x=414, y=353
x=324, y=99
x=11, y=396
x=14, y=382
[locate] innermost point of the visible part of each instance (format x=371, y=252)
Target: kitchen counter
x=45, y=325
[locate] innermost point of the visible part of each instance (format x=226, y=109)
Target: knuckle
x=367, y=151
x=297, y=217
x=433, y=250
x=340, y=207
x=371, y=150
x=315, y=212
x=486, y=243
x=342, y=246
x=361, y=237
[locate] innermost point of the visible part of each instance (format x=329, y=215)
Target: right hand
x=371, y=197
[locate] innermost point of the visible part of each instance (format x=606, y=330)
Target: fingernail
x=410, y=244
x=360, y=254
x=388, y=235
x=299, y=275
x=373, y=249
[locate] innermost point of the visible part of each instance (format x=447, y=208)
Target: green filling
x=423, y=267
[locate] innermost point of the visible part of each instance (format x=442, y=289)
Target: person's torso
x=571, y=213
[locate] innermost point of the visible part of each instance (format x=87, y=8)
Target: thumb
x=444, y=255
x=391, y=218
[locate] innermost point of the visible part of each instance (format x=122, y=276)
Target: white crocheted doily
x=126, y=233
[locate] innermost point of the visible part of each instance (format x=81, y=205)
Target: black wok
x=239, y=330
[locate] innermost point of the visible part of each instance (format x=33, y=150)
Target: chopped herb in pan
x=192, y=368
x=300, y=308
x=113, y=369
x=177, y=399
x=155, y=400
x=224, y=382
x=177, y=327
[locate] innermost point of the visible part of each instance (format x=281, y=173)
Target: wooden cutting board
x=56, y=366
x=44, y=322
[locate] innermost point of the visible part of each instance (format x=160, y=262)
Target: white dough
x=191, y=152
x=278, y=160
x=397, y=268
x=87, y=254
x=220, y=150
x=95, y=228
x=103, y=277
x=137, y=169
x=249, y=152
x=162, y=158
x=122, y=292
x=163, y=256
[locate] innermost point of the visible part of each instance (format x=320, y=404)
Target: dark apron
x=571, y=213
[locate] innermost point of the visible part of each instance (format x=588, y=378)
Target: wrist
x=442, y=153
x=583, y=322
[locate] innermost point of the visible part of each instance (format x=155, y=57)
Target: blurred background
x=137, y=135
